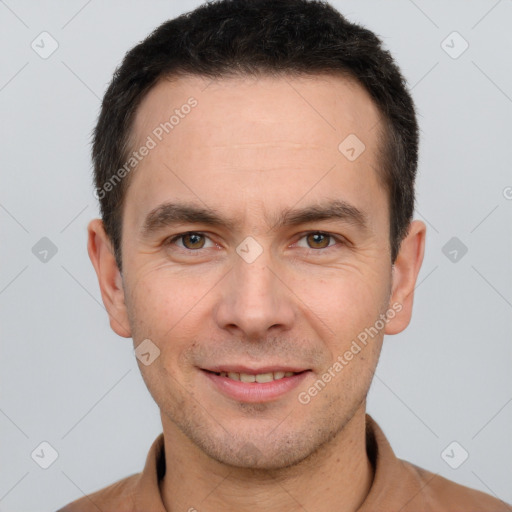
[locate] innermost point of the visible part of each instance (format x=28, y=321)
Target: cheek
x=161, y=301
x=167, y=310
x=347, y=301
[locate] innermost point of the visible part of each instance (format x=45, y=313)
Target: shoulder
x=401, y=485
x=117, y=497
x=443, y=495
x=139, y=492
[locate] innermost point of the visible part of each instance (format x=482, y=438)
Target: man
x=255, y=164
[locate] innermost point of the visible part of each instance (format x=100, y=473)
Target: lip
x=253, y=371
x=254, y=392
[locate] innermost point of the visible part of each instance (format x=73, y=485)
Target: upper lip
x=237, y=368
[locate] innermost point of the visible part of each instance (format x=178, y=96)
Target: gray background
x=68, y=380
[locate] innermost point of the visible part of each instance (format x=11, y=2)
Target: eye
x=191, y=240
x=319, y=240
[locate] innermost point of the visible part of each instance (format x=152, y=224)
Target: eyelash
x=339, y=240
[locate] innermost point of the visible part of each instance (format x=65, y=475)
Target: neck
x=336, y=478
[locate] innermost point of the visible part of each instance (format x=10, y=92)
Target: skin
x=250, y=149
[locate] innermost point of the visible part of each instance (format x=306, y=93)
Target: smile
x=260, y=377
x=258, y=386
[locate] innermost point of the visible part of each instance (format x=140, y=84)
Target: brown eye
x=192, y=240
x=318, y=240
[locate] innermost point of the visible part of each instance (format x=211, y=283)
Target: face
x=255, y=246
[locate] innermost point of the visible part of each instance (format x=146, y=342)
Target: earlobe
x=110, y=280
x=405, y=274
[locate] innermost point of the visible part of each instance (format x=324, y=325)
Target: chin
x=258, y=451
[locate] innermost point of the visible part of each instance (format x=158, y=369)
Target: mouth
x=260, y=377
x=244, y=384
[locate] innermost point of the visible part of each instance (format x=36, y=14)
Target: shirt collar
x=394, y=481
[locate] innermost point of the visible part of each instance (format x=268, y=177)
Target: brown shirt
x=398, y=486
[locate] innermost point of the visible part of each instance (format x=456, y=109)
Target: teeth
x=265, y=377
x=261, y=377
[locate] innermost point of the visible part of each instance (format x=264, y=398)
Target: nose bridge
x=254, y=282
x=254, y=298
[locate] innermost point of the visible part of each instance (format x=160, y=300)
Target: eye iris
x=319, y=238
x=194, y=238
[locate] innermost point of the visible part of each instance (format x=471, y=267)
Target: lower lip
x=255, y=391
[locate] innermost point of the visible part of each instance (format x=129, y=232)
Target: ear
x=110, y=280
x=405, y=273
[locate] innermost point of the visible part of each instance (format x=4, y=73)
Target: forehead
x=250, y=141
x=326, y=104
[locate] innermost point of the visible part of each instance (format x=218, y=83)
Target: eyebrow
x=171, y=213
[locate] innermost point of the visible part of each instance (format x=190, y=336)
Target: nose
x=255, y=300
